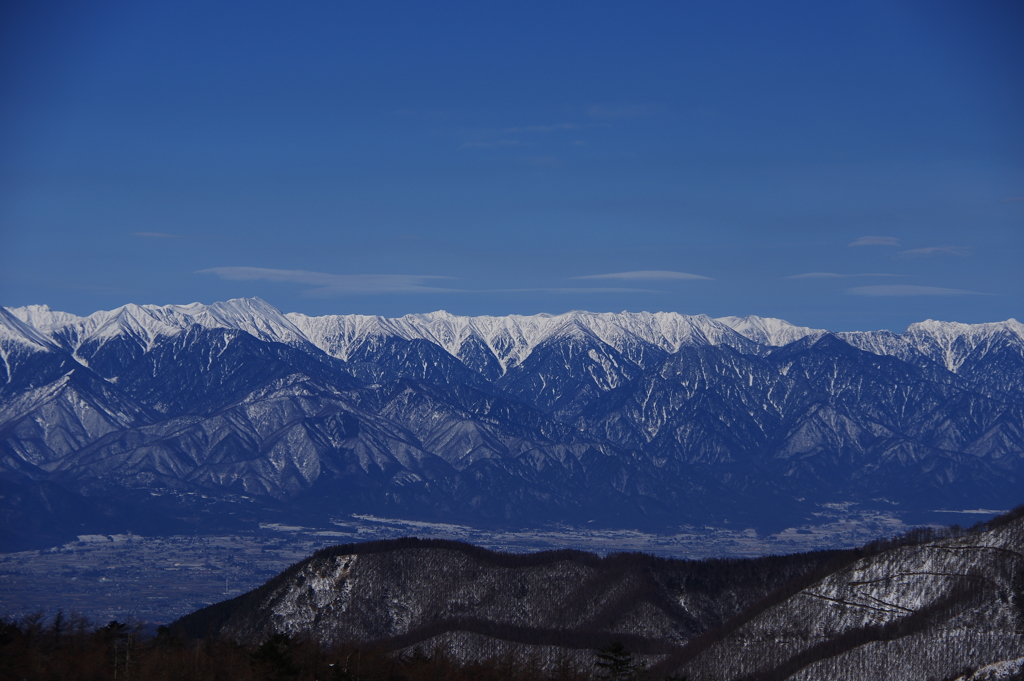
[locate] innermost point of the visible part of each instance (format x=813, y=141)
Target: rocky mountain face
x=925, y=606
x=219, y=412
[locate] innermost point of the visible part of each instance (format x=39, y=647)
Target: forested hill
x=927, y=605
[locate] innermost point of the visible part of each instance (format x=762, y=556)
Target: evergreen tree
x=615, y=662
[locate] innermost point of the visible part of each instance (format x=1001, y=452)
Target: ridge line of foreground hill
x=533, y=636
x=211, y=618
x=956, y=597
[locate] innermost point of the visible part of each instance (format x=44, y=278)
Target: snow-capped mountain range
x=629, y=418
x=508, y=340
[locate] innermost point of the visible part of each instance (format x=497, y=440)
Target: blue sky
x=848, y=165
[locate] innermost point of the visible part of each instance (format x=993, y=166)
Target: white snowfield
x=15, y=332
x=147, y=323
x=509, y=339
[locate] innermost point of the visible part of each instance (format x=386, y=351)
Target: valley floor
x=157, y=579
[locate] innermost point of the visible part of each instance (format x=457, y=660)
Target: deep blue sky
x=329, y=157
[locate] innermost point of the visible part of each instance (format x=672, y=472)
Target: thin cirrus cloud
x=833, y=275
x=157, y=235
x=542, y=128
x=569, y=290
x=875, y=241
x=491, y=144
x=489, y=139
x=935, y=250
x=611, y=112
x=897, y=290
x=331, y=285
x=334, y=284
x=646, y=275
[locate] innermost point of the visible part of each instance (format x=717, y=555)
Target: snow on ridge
x=15, y=330
x=18, y=339
x=945, y=330
x=769, y=330
x=41, y=317
x=947, y=343
x=952, y=342
x=881, y=343
x=253, y=315
x=148, y=323
x=510, y=339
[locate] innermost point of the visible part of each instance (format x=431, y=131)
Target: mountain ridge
x=510, y=338
x=636, y=419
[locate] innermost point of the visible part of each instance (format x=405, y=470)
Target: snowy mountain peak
x=767, y=330
x=146, y=323
x=506, y=340
x=15, y=331
x=512, y=338
x=584, y=415
x=253, y=315
x=952, y=342
x=42, y=317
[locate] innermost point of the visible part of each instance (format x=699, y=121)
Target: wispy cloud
x=541, y=161
x=935, y=250
x=157, y=235
x=492, y=138
x=608, y=112
x=101, y=290
x=833, y=275
x=542, y=128
x=910, y=291
x=875, y=241
x=571, y=290
x=646, y=275
x=492, y=143
x=334, y=284
x=330, y=285
x=1015, y=198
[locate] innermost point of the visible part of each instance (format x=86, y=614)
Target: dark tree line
x=70, y=648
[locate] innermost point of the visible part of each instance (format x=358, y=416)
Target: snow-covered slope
x=951, y=343
x=767, y=330
x=146, y=324
x=923, y=611
x=509, y=340
x=21, y=349
x=643, y=418
x=948, y=344
x=14, y=332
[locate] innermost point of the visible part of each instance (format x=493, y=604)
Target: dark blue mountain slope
x=586, y=424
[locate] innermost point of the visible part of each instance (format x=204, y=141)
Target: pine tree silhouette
x=615, y=662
